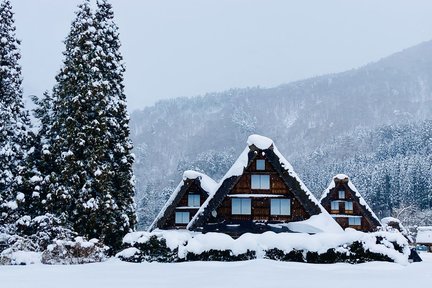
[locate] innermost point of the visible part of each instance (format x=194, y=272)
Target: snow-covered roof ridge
x=237, y=169
x=353, y=188
x=206, y=183
x=424, y=235
x=424, y=228
x=261, y=142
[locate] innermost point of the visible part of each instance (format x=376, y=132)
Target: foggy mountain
x=318, y=124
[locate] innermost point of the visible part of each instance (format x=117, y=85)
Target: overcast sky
x=178, y=48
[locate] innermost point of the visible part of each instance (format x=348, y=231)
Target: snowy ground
x=256, y=273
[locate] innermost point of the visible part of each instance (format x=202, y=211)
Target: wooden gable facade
x=345, y=204
x=189, y=195
x=263, y=193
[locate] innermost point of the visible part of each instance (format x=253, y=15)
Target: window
x=354, y=221
x=182, y=217
x=280, y=206
x=341, y=194
x=194, y=200
x=348, y=206
x=241, y=206
x=260, y=181
x=335, y=205
x=260, y=164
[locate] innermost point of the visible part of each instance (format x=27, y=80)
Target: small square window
x=335, y=206
x=354, y=221
x=348, y=205
x=260, y=164
x=182, y=217
x=341, y=194
x=241, y=206
x=194, y=200
x=280, y=207
x=260, y=182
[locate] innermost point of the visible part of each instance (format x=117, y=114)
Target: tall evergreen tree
x=40, y=161
x=79, y=130
x=119, y=214
x=14, y=120
x=92, y=180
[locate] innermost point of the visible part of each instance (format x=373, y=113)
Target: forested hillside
x=392, y=165
x=334, y=123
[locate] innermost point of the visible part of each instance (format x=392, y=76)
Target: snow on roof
x=424, y=235
x=259, y=141
x=241, y=163
x=315, y=224
x=207, y=184
x=353, y=188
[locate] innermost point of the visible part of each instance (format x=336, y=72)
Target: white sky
x=178, y=48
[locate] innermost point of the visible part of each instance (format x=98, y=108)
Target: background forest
x=372, y=123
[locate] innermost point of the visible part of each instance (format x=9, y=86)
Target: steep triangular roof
x=260, y=144
x=205, y=182
x=363, y=205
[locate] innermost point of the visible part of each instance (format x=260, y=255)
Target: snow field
x=255, y=273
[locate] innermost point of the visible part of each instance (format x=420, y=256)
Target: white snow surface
x=385, y=226
x=424, y=234
x=353, y=188
x=261, y=142
x=252, y=274
x=315, y=224
x=241, y=163
x=197, y=243
x=22, y=257
x=207, y=184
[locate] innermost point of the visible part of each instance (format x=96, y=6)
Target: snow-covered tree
x=92, y=182
x=79, y=130
x=40, y=162
x=119, y=205
x=14, y=120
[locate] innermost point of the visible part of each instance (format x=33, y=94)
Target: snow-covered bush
x=19, y=251
x=78, y=251
x=43, y=230
x=395, y=225
x=350, y=246
x=154, y=249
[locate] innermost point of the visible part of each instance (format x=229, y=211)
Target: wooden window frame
x=280, y=206
x=260, y=176
x=241, y=200
x=194, y=195
x=259, y=167
x=183, y=213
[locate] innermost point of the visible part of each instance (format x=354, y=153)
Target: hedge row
x=156, y=250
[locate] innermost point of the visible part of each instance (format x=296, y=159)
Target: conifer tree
x=40, y=163
x=14, y=121
x=92, y=181
x=119, y=203
x=79, y=130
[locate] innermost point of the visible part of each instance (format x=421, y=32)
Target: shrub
x=78, y=251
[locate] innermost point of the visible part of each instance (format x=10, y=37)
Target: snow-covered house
x=346, y=205
x=261, y=192
x=185, y=201
x=424, y=236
